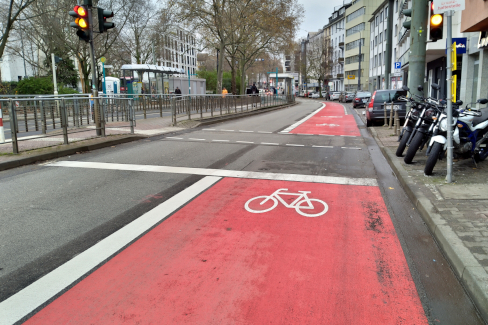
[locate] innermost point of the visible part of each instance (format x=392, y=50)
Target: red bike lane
x=330, y=120
x=221, y=260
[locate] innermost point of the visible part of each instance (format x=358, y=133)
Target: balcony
x=340, y=75
x=341, y=60
x=341, y=45
x=329, y=76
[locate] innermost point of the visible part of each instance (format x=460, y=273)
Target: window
x=356, y=14
x=354, y=44
x=386, y=12
x=381, y=37
x=381, y=16
x=377, y=20
x=355, y=29
x=396, y=29
x=354, y=59
x=379, y=59
x=396, y=6
x=375, y=40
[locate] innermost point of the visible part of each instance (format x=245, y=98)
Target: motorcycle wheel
x=433, y=157
x=403, y=143
x=413, y=147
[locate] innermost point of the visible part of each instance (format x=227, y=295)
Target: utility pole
x=450, y=148
x=359, y=73
x=418, y=38
x=93, y=69
x=389, y=41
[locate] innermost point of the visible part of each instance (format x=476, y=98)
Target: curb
x=212, y=120
x=66, y=152
x=464, y=265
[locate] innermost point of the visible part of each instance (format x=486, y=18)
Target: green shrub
x=35, y=86
x=62, y=90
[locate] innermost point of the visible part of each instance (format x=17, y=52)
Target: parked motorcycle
x=470, y=136
x=411, y=120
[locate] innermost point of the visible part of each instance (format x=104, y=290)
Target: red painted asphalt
x=214, y=262
x=331, y=120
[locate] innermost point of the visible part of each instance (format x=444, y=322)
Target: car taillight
x=370, y=105
x=356, y=99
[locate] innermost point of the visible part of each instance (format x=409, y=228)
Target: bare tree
x=319, y=59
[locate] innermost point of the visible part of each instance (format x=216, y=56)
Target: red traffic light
x=80, y=11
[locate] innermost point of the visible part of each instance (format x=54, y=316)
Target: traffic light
x=436, y=24
x=408, y=13
x=103, y=24
x=81, y=14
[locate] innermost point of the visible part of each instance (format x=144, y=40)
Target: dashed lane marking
x=220, y=140
x=264, y=132
x=351, y=148
x=218, y=172
x=270, y=143
x=245, y=142
x=295, y=145
x=195, y=139
x=246, y=131
x=322, y=147
x=174, y=138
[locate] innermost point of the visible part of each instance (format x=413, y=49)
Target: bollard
x=64, y=121
x=2, y=135
x=397, y=122
x=173, y=111
x=131, y=116
x=391, y=117
x=384, y=111
x=13, y=126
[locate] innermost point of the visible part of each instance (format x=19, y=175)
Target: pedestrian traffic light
x=407, y=23
x=103, y=24
x=81, y=14
x=436, y=24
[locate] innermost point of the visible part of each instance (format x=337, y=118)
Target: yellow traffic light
x=436, y=20
x=81, y=22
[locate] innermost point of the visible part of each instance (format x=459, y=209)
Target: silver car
x=335, y=95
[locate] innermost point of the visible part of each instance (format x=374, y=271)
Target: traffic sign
x=398, y=65
x=102, y=59
x=443, y=6
x=351, y=76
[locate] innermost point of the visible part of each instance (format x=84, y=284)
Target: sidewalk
x=456, y=213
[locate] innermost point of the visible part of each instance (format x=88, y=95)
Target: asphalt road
x=51, y=214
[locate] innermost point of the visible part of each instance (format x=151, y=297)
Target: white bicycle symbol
x=302, y=202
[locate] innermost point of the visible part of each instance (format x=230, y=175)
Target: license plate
x=483, y=145
x=365, y=100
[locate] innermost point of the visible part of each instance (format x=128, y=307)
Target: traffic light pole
x=93, y=71
x=449, y=176
x=418, y=38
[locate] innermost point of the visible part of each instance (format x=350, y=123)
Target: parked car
x=375, y=108
x=334, y=95
x=347, y=97
x=315, y=95
x=360, y=99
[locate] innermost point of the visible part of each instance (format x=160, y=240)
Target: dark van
x=375, y=106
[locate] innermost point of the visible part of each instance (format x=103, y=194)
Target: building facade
x=357, y=43
x=179, y=50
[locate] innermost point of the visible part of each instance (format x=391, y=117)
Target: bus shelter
x=157, y=76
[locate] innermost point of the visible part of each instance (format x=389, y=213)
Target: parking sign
x=398, y=65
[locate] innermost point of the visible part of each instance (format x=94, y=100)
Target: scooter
x=470, y=136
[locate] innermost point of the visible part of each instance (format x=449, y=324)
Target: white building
x=179, y=50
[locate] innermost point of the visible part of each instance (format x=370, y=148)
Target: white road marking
x=174, y=138
x=244, y=141
x=208, y=129
x=351, y=148
x=291, y=127
x=264, y=132
x=246, y=131
x=226, y=130
x=219, y=172
x=220, y=140
x=351, y=136
x=322, y=147
x=196, y=139
x=295, y=145
x=28, y=299
x=271, y=143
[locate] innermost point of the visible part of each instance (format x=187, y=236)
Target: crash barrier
x=44, y=116
x=394, y=120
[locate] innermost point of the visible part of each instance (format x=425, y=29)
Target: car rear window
x=389, y=95
x=364, y=95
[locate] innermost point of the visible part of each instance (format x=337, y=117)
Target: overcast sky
x=317, y=13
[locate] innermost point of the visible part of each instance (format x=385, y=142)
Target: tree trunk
x=243, y=78
x=233, y=78
x=220, y=71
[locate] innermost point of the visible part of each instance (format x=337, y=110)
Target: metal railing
x=37, y=117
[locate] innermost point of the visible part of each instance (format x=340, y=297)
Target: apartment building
x=179, y=50
x=334, y=34
x=357, y=43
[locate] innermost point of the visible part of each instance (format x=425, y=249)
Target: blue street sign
x=398, y=65
x=460, y=44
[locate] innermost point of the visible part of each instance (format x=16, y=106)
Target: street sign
x=460, y=44
x=102, y=59
x=351, y=76
x=396, y=74
x=398, y=65
x=442, y=6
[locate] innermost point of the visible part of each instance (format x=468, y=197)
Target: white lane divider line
x=246, y=131
x=354, y=148
x=244, y=142
x=38, y=293
x=295, y=145
x=220, y=140
x=226, y=130
x=218, y=172
x=174, y=138
x=208, y=129
x=270, y=143
x=195, y=139
x=264, y=132
x=322, y=147
x=291, y=127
